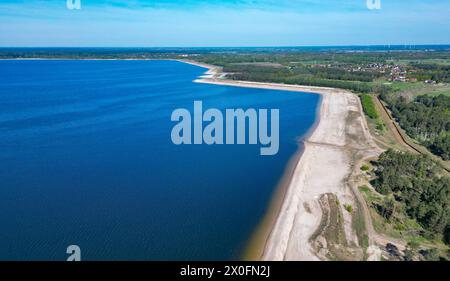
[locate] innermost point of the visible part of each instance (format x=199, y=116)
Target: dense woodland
x=302, y=76
x=428, y=71
x=414, y=182
x=426, y=119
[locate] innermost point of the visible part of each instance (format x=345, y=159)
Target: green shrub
x=380, y=126
x=349, y=208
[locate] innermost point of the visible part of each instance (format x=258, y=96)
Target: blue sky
x=175, y=23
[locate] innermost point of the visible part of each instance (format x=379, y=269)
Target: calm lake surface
x=86, y=158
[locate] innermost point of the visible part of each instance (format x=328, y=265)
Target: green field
x=412, y=90
x=427, y=61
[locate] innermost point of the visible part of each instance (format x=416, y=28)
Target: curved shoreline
x=294, y=212
x=254, y=251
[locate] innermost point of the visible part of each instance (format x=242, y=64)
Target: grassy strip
x=369, y=106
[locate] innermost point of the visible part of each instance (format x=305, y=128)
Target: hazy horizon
x=402, y=46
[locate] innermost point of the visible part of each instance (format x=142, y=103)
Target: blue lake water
x=86, y=158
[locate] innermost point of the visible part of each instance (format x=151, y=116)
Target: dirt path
x=386, y=116
x=375, y=238
x=356, y=180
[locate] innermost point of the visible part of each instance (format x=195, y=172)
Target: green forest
x=426, y=119
x=299, y=76
x=415, y=183
x=428, y=71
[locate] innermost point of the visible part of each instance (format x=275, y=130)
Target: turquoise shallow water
x=86, y=159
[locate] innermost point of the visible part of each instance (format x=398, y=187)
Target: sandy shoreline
x=323, y=167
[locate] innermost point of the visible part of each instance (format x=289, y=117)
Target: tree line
x=426, y=119
x=296, y=77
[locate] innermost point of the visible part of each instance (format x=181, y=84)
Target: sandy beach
x=339, y=140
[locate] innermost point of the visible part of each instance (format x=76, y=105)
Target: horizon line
x=224, y=47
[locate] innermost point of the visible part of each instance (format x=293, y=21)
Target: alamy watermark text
x=236, y=126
